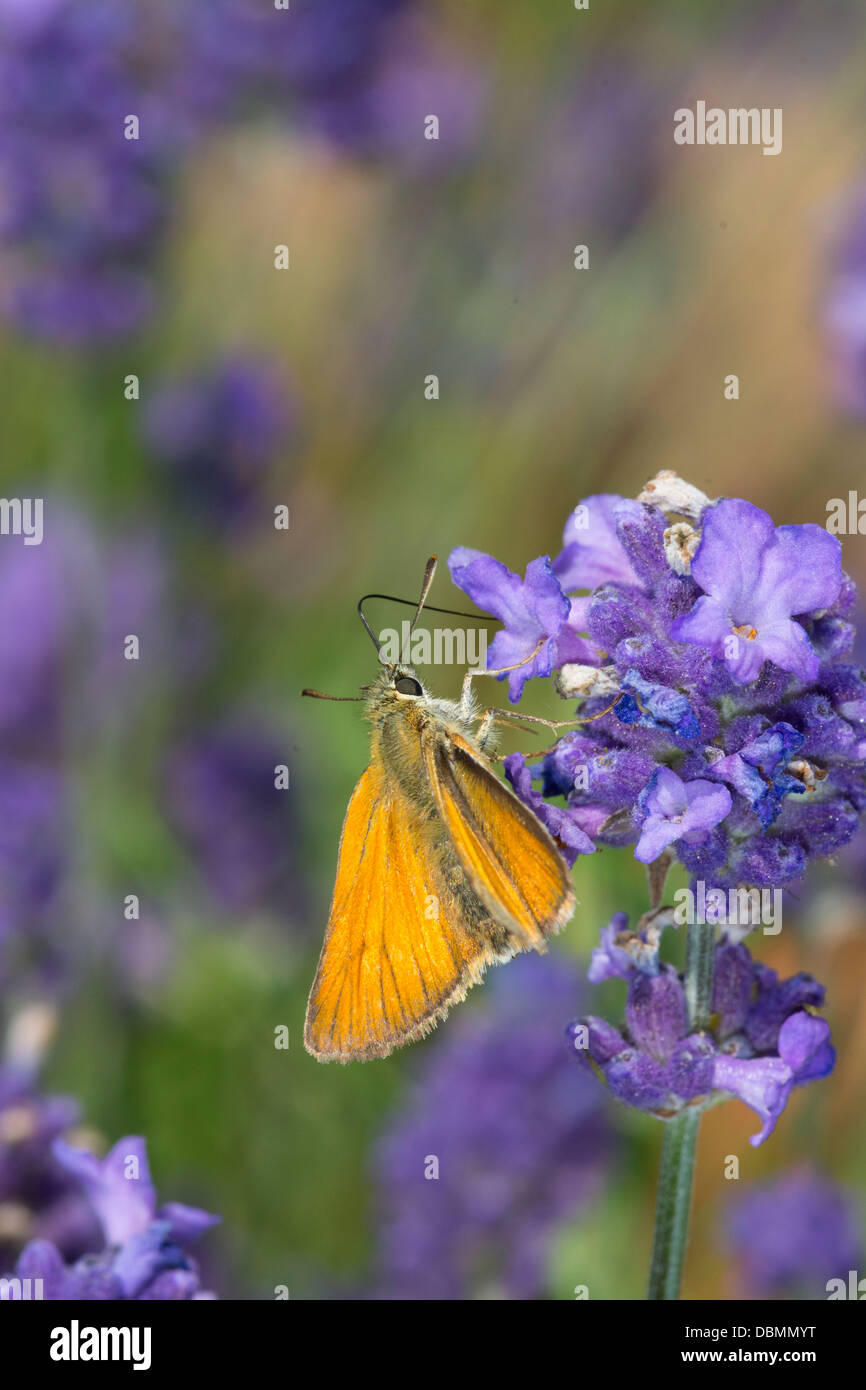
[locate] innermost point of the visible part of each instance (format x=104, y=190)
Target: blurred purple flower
x=38, y=1198
x=145, y=1255
x=236, y=824
x=417, y=76
x=68, y=605
x=79, y=306
x=218, y=432
x=595, y=162
x=238, y=52
x=82, y=204
x=32, y=843
x=791, y=1235
x=83, y=207
x=519, y=1147
x=845, y=309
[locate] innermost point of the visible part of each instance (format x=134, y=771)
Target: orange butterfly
x=442, y=871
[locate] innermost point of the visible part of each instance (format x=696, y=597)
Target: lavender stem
x=676, y=1171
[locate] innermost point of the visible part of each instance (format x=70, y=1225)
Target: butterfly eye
x=407, y=685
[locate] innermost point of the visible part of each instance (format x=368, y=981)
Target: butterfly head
x=396, y=687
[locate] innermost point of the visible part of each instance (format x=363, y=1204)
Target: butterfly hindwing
x=509, y=857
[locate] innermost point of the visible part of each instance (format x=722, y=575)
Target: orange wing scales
x=397, y=952
x=510, y=858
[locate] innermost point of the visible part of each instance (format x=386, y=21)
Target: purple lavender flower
x=83, y=207
x=417, y=75
x=708, y=662
x=592, y=551
x=32, y=844
x=594, y=159
x=572, y=840
x=791, y=1235
x=236, y=824
x=610, y=961
x=756, y=578
x=758, y=770
x=671, y=809
x=541, y=623
x=145, y=1255
x=518, y=1148
x=764, y=1042
x=845, y=309
x=38, y=1198
x=218, y=432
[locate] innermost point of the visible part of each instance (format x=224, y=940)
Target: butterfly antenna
x=320, y=695
x=373, y=638
x=429, y=571
x=418, y=605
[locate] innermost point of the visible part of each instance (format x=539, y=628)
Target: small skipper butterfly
x=442, y=870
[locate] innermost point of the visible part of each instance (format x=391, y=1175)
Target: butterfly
x=442, y=870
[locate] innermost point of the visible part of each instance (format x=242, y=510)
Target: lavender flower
x=82, y=204
x=218, y=432
x=32, y=844
x=763, y=1043
x=707, y=655
x=236, y=824
x=145, y=1255
x=416, y=74
x=517, y=1148
x=38, y=1198
x=755, y=578
x=845, y=310
x=673, y=810
x=540, y=622
x=84, y=207
x=792, y=1235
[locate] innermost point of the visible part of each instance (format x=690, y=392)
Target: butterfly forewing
x=401, y=946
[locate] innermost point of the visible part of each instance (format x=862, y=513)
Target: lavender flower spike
x=762, y=1042
x=145, y=1254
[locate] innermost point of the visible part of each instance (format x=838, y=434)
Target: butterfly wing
x=401, y=944
x=508, y=855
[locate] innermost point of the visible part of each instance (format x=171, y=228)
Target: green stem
x=676, y=1172
x=673, y=1205
x=700, y=966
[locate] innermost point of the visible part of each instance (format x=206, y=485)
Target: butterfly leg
x=466, y=694
x=489, y=717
